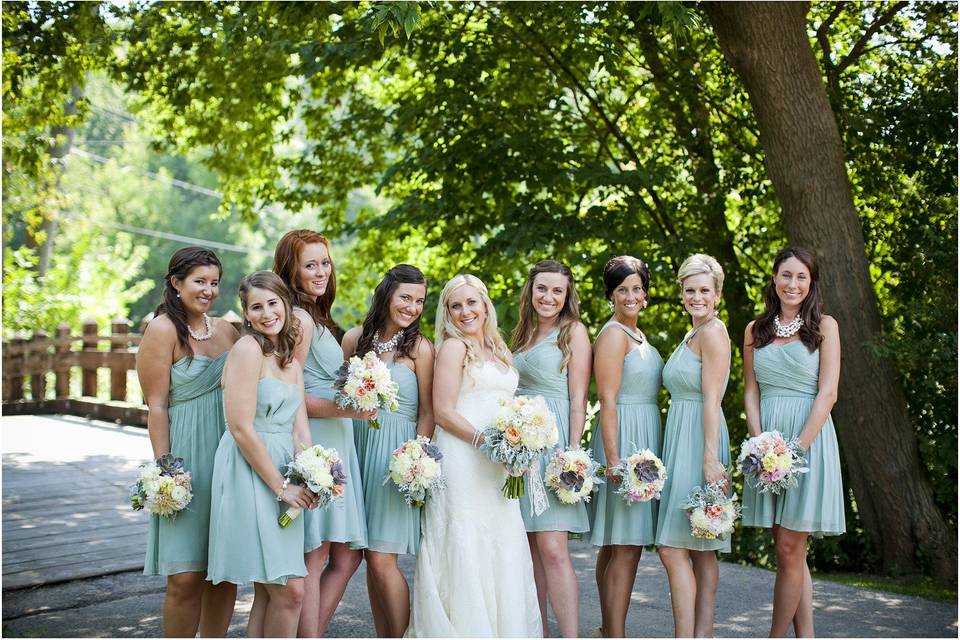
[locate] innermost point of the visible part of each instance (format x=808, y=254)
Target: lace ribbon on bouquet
x=538, y=493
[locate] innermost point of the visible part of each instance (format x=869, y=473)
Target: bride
x=474, y=574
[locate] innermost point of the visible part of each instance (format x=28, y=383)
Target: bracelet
x=477, y=434
x=283, y=487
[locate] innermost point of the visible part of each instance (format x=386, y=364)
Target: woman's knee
x=345, y=560
x=185, y=586
x=791, y=546
x=381, y=564
x=290, y=595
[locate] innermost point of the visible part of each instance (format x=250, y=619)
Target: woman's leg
x=342, y=565
x=181, y=605
x=561, y=581
x=376, y=605
x=258, y=611
x=603, y=561
x=316, y=560
x=683, y=589
x=216, y=609
x=618, y=586
x=788, y=589
x=283, y=609
x=706, y=571
x=803, y=619
x=392, y=591
x=541, y=580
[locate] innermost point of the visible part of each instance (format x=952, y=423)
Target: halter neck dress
x=638, y=428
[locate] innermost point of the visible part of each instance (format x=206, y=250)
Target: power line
x=150, y=174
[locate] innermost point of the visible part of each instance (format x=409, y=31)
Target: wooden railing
x=30, y=360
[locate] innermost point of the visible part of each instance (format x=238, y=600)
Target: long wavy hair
x=379, y=312
x=526, y=329
x=182, y=263
x=811, y=310
x=446, y=328
x=286, y=264
x=286, y=340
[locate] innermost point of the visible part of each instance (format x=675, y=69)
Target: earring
x=178, y=294
x=644, y=305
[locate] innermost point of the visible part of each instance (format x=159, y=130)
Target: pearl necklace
x=389, y=345
x=207, y=333
x=785, y=331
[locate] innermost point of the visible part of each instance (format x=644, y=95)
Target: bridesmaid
x=267, y=422
x=392, y=331
x=335, y=536
x=179, y=364
x=696, y=447
x=552, y=355
x=791, y=363
x=627, y=368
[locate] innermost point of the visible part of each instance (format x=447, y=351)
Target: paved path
x=66, y=518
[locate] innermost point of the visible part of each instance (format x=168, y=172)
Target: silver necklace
x=207, y=330
x=789, y=329
x=389, y=345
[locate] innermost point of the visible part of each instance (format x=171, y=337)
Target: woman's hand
x=713, y=472
x=297, y=496
x=611, y=473
x=364, y=415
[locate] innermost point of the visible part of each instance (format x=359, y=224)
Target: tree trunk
x=768, y=46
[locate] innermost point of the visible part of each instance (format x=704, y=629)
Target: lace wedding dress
x=474, y=574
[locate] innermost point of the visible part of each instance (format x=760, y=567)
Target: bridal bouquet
x=711, y=511
x=770, y=463
x=415, y=469
x=319, y=470
x=364, y=384
x=523, y=429
x=642, y=477
x=163, y=487
x=572, y=475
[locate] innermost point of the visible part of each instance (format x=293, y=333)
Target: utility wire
x=150, y=174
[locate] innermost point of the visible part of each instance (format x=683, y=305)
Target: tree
x=768, y=46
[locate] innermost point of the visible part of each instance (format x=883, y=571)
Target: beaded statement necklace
x=389, y=345
x=789, y=329
x=207, y=330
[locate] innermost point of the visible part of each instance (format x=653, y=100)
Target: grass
x=919, y=586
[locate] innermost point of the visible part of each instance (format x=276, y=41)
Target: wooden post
x=38, y=374
x=119, y=341
x=61, y=360
x=16, y=364
x=90, y=343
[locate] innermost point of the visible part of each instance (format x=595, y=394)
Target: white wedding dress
x=474, y=574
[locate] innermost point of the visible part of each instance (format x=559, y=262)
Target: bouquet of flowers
x=711, y=511
x=415, y=469
x=522, y=430
x=643, y=476
x=163, y=487
x=364, y=384
x=573, y=474
x=770, y=463
x=319, y=470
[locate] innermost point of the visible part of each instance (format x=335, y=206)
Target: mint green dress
x=196, y=423
x=392, y=526
x=683, y=449
x=540, y=375
x=638, y=424
x=344, y=520
x=789, y=376
x=246, y=542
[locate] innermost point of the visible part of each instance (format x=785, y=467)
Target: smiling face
x=699, y=295
x=265, y=312
x=549, y=294
x=628, y=297
x=314, y=268
x=406, y=304
x=792, y=283
x=199, y=289
x=467, y=311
